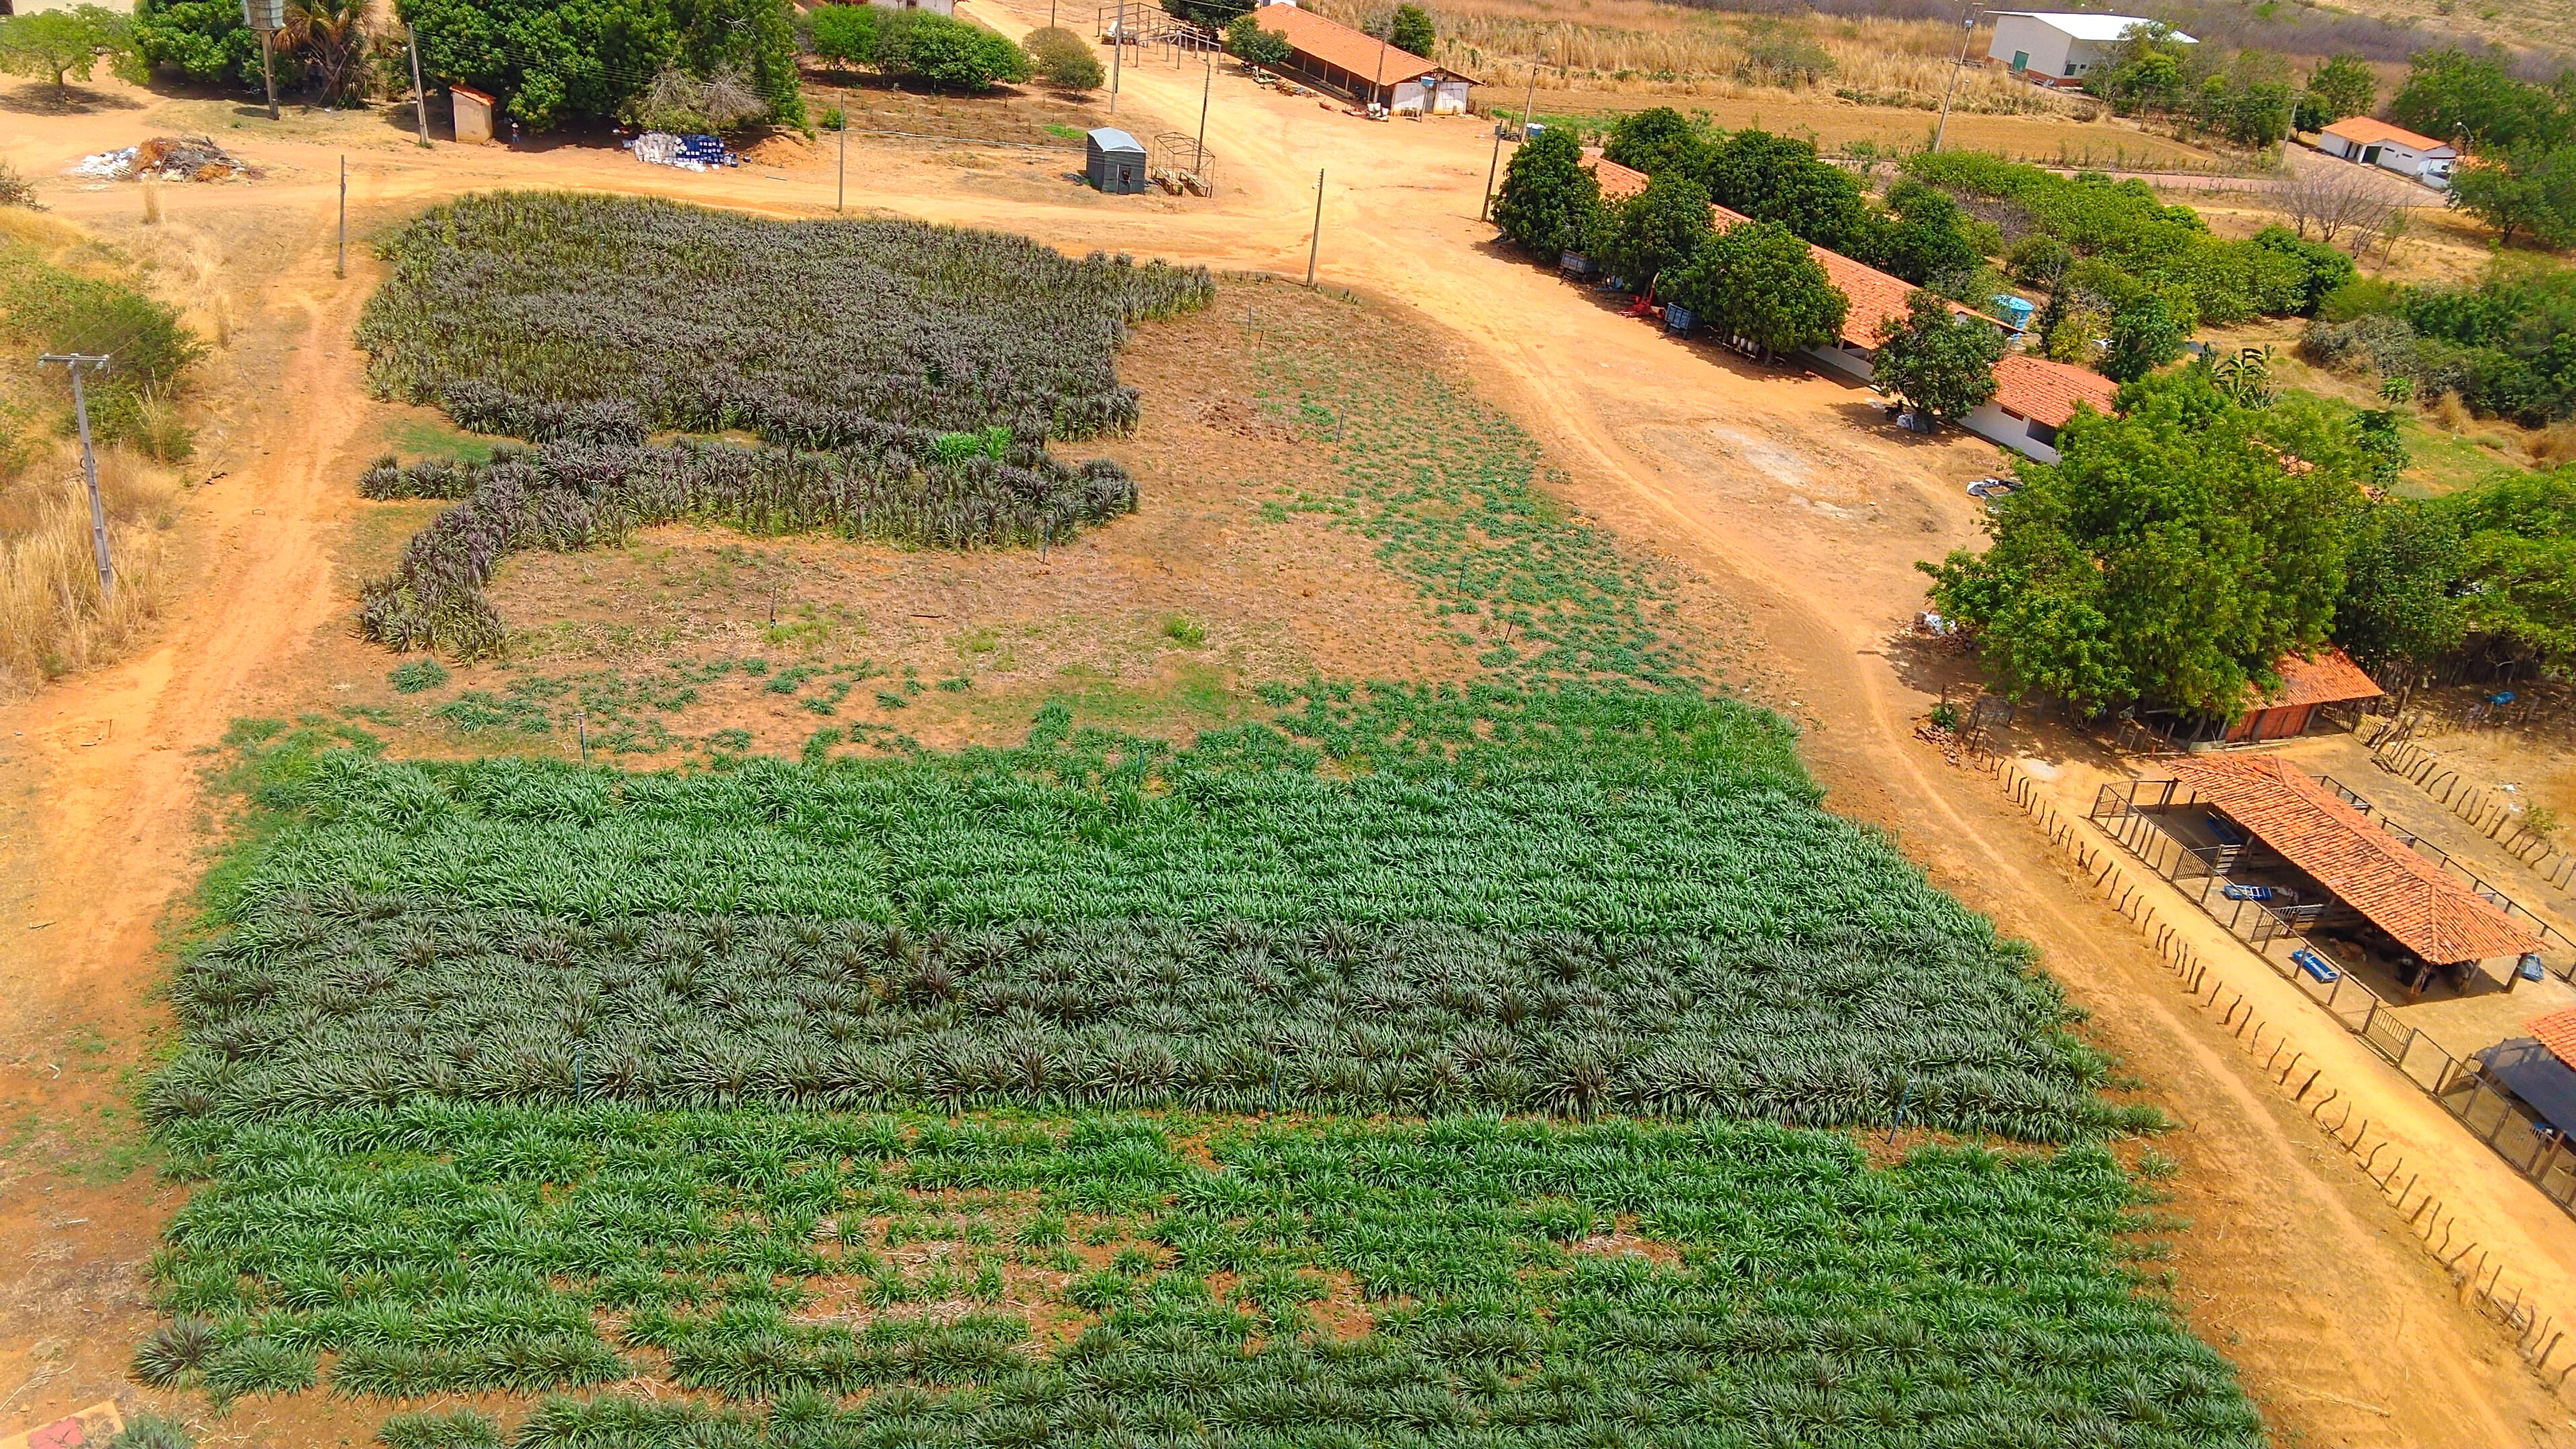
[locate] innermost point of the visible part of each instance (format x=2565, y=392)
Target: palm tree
x=332, y=36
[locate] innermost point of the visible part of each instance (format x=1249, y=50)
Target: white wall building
x=2377, y=143
x=2057, y=48
x=944, y=7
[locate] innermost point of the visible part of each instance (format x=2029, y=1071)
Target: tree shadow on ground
x=41, y=99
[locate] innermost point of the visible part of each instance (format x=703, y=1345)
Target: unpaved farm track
x=1786, y=516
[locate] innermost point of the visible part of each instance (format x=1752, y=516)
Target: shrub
x=148, y=1430
x=45, y=308
x=681, y=102
x=206, y=40
x=417, y=676
x=944, y=51
x=844, y=34
x=1410, y=29
x=1064, y=59
x=429, y=1429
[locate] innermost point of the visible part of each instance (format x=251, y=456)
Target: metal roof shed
x=1117, y=161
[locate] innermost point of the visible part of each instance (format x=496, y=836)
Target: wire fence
x=2438, y=1228
x=2460, y=1084
x=2495, y=819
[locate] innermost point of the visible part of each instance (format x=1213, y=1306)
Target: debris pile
x=689, y=153
x=167, y=158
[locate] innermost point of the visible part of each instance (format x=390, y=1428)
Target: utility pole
x=1199, y=164
x=266, y=17
x=1967, y=27
x=419, y=94
x=1493, y=164
x=341, y=268
x=1378, y=80
x=1117, y=53
x=1316, y=241
x=73, y=362
x=268, y=69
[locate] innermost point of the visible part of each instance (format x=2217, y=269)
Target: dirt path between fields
x=1788, y=513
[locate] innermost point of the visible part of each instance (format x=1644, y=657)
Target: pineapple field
x=1520, y=1061
x=1426, y=1067
x=903, y=381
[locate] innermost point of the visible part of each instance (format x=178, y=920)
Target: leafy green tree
x=1923, y=235
x=2339, y=86
x=2518, y=556
x=2324, y=267
x=1412, y=30
x=2172, y=554
x=2148, y=70
x=2252, y=113
x=2450, y=92
x=1063, y=58
x=1659, y=227
x=1658, y=139
x=201, y=39
x=946, y=51
x=1940, y=363
x=1549, y=197
x=2401, y=563
x=2527, y=190
x=1209, y=14
x=1779, y=178
x=557, y=61
x=2144, y=336
x=64, y=45
x=1757, y=281
x=843, y=35
x=1246, y=41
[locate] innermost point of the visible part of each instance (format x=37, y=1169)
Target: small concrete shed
x=1117, y=164
x=473, y=115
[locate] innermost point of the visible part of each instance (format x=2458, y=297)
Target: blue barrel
x=1677, y=319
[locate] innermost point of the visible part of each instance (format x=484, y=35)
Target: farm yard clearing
x=1749, y=488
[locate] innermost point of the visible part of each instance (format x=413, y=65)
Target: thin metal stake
x=341, y=268
x=581, y=721
x=841, y=191
x=73, y=362
x=1902, y=1098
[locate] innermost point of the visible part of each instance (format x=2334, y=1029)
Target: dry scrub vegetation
x=62, y=290
x=1637, y=46
x=53, y=616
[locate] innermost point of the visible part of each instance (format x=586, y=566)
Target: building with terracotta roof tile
x=1360, y=66
x=2391, y=148
x=2420, y=907
x=2306, y=686
x=2033, y=396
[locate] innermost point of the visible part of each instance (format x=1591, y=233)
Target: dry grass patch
x=54, y=617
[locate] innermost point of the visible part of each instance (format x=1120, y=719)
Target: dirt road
x=1787, y=511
